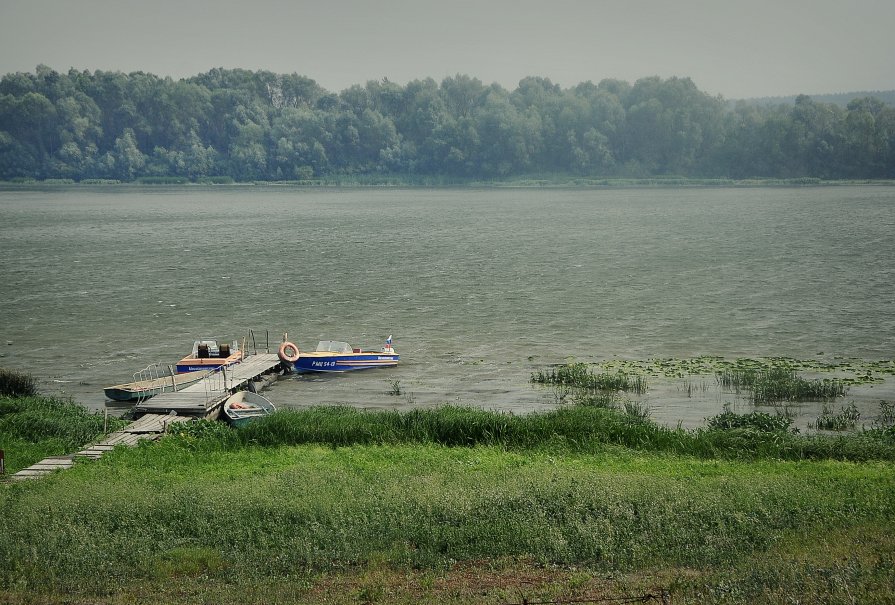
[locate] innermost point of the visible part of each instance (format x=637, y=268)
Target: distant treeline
x=842, y=99
x=259, y=125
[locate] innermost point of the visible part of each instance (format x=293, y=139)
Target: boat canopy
x=333, y=346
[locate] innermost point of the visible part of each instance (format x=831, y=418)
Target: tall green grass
x=167, y=509
x=305, y=493
x=580, y=428
x=33, y=428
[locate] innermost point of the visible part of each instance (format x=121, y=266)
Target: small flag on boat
x=388, y=340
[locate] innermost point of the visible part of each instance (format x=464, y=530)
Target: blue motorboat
x=337, y=356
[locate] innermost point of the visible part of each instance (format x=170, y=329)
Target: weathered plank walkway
x=204, y=398
x=150, y=426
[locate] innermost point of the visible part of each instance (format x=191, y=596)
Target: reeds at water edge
x=779, y=383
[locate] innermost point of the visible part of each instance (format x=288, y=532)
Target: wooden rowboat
x=244, y=406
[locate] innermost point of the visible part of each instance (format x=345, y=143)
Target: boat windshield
x=208, y=345
x=333, y=346
x=210, y=348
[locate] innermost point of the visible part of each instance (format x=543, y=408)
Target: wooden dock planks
x=150, y=426
x=205, y=397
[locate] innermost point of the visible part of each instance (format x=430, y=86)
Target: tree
x=462, y=95
x=31, y=121
x=510, y=139
x=16, y=160
x=126, y=161
x=260, y=125
x=671, y=125
x=866, y=139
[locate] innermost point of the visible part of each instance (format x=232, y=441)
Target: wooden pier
x=205, y=398
x=149, y=427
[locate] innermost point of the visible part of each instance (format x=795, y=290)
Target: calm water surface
x=478, y=287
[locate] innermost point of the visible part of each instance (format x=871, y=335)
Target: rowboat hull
x=243, y=407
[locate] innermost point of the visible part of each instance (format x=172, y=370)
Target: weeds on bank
x=17, y=384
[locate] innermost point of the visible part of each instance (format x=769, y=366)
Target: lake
x=479, y=287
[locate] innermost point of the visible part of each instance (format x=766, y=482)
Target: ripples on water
x=478, y=287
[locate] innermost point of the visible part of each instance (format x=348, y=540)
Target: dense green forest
x=245, y=125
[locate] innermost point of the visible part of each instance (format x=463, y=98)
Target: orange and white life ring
x=291, y=357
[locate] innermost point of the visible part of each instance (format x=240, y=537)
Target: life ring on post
x=290, y=357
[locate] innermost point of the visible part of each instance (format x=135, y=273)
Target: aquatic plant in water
x=857, y=371
x=580, y=375
x=779, y=383
x=846, y=418
x=886, y=416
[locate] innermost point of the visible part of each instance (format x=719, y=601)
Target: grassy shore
x=456, y=506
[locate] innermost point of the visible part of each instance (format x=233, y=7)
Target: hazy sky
x=730, y=47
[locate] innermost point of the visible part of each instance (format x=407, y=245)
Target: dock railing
x=255, y=343
x=216, y=384
x=154, y=372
